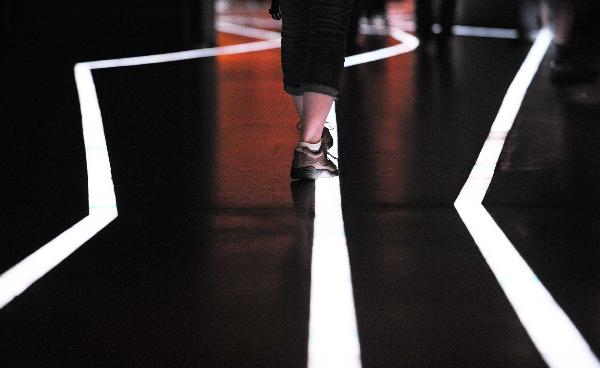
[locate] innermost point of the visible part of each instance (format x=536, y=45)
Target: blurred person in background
x=372, y=13
x=312, y=53
x=424, y=12
x=571, y=62
x=375, y=13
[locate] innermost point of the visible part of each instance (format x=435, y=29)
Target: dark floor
x=209, y=261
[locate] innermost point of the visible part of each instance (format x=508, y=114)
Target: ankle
x=310, y=138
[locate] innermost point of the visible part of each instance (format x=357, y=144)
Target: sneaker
x=326, y=139
x=312, y=165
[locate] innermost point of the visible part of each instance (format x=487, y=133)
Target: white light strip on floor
x=408, y=43
x=554, y=335
x=20, y=277
x=333, y=333
x=488, y=32
x=101, y=191
x=245, y=31
x=101, y=200
x=101, y=195
x=186, y=55
x=256, y=22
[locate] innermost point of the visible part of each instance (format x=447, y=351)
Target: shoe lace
x=330, y=126
x=328, y=154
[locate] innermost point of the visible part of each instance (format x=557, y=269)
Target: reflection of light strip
x=485, y=32
x=333, y=333
x=101, y=194
x=557, y=339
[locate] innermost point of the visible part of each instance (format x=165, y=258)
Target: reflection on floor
x=209, y=261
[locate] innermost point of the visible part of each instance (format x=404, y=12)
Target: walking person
x=312, y=54
x=570, y=63
x=376, y=13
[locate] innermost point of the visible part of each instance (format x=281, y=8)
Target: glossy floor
x=209, y=262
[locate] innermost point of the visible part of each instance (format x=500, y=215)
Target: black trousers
x=313, y=45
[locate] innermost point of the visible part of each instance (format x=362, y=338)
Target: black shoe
x=326, y=139
x=312, y=165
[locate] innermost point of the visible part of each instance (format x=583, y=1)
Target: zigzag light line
x=554, y=335
x=101, y=194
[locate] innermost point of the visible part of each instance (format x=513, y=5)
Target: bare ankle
x=312, y=139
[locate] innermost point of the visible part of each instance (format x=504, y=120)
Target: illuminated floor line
x=485, y=32
x=554, y=335
x=333, y=330
x=407, y=43
x=101, y=195
x=102, y=211
x=251, y=32
x=272, y=40
x=101, y=200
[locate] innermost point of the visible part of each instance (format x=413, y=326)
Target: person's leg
x=328, y=29
x=377, y=13
x=564, y=21
x=324, y=63
x=310, y=155
x=379, y=6
x=294, y=54
x=374, y=7
x=545, y=13
x=568, y=65
x=299, y=105
x=294, y=47
x=314, y=113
